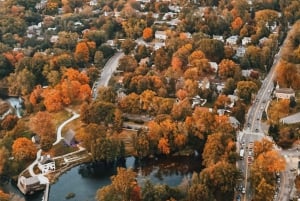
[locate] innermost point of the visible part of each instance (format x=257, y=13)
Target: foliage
x=23, y=149
x=122, y=187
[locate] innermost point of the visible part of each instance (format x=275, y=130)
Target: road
x=253, y=130
x=110, y=66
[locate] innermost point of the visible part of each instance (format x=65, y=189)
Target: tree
x=21, y=83
x=9, y=122
x=106, y=94
x=23, y=149
x=220, y=178
x=213, y=49
x=163, y=146
x=127, y=64
x=199, y=192
x=264, y=191
x=236, y=24
x=287, y=75
x=222, y=101
x=121, y=188
x=147, y=34
x=161, y=59
x=3, y=159
x=98, y=112
x=218, y=147
x=141, y=144
x=297, y=182
x=128, y=45
x=82, y=53
x=43, y=125
x=246, y=89
x=228, y=68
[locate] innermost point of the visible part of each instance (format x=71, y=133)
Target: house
x=32, y=184
x=214, y=66
x=69, y=138
x=158, y=45
x=246, y=41
x=240, y=51
x=46, y=164
x=204, y=84
x=232, y=40
x=284, y=93
x=160, y=35
x=218, y=37
x=54, y=39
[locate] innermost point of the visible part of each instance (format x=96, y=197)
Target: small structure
x=218, y=37
x=46, y=164
x=69, y=138
x=160, y=35
x=32, y=184
x=246, y=41
x=232, y=40
x=284, y=93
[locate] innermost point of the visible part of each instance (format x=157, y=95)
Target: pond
x=84, y=180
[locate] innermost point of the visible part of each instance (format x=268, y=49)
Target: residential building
x=232, y=40
x=46, y=164
x=246, y=41
x=284, y=93
x=160, y=35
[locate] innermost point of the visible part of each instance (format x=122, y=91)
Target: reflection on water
x=86, y=179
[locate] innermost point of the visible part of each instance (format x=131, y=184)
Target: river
x=84, y=181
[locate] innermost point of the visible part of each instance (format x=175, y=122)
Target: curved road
x=110, y=66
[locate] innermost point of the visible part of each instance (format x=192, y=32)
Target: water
x=84, y=180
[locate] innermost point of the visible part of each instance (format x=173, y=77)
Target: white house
x=214, y=66
x=46, y=164
x=240, y=51
x=54, y=39
x=160, y=35
x=218, y=37
x=232, y=40
x=284, y=93
x=246, y=41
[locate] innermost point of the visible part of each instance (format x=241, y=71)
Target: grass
x=60, y=117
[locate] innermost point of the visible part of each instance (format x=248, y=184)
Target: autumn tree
x=219, y=178
x=287, y=75
x=141, y=143
x=246, y=89
x=163, y=146
x=213, y=49
x=161, y=59
x=3, y=159
x=9, y=122
x=106, y=94
x=228, y=68
x=82, y=53
x=43, y=125
x=236, y=24
x=23, y=149
x=21, y=83
x=127, y=64
x=98, y=112
x=222, y=101
x=121, y=188
x=147, y=34
x=128, y=45
x=219, y=147
x=278, y=110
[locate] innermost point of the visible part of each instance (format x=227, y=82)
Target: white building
x=246, y=41
x=232, y=40
x=284, y=93
x=46, y=164
x=160, y=35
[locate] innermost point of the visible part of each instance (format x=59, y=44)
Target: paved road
x=253, y=130
x=110, y=66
